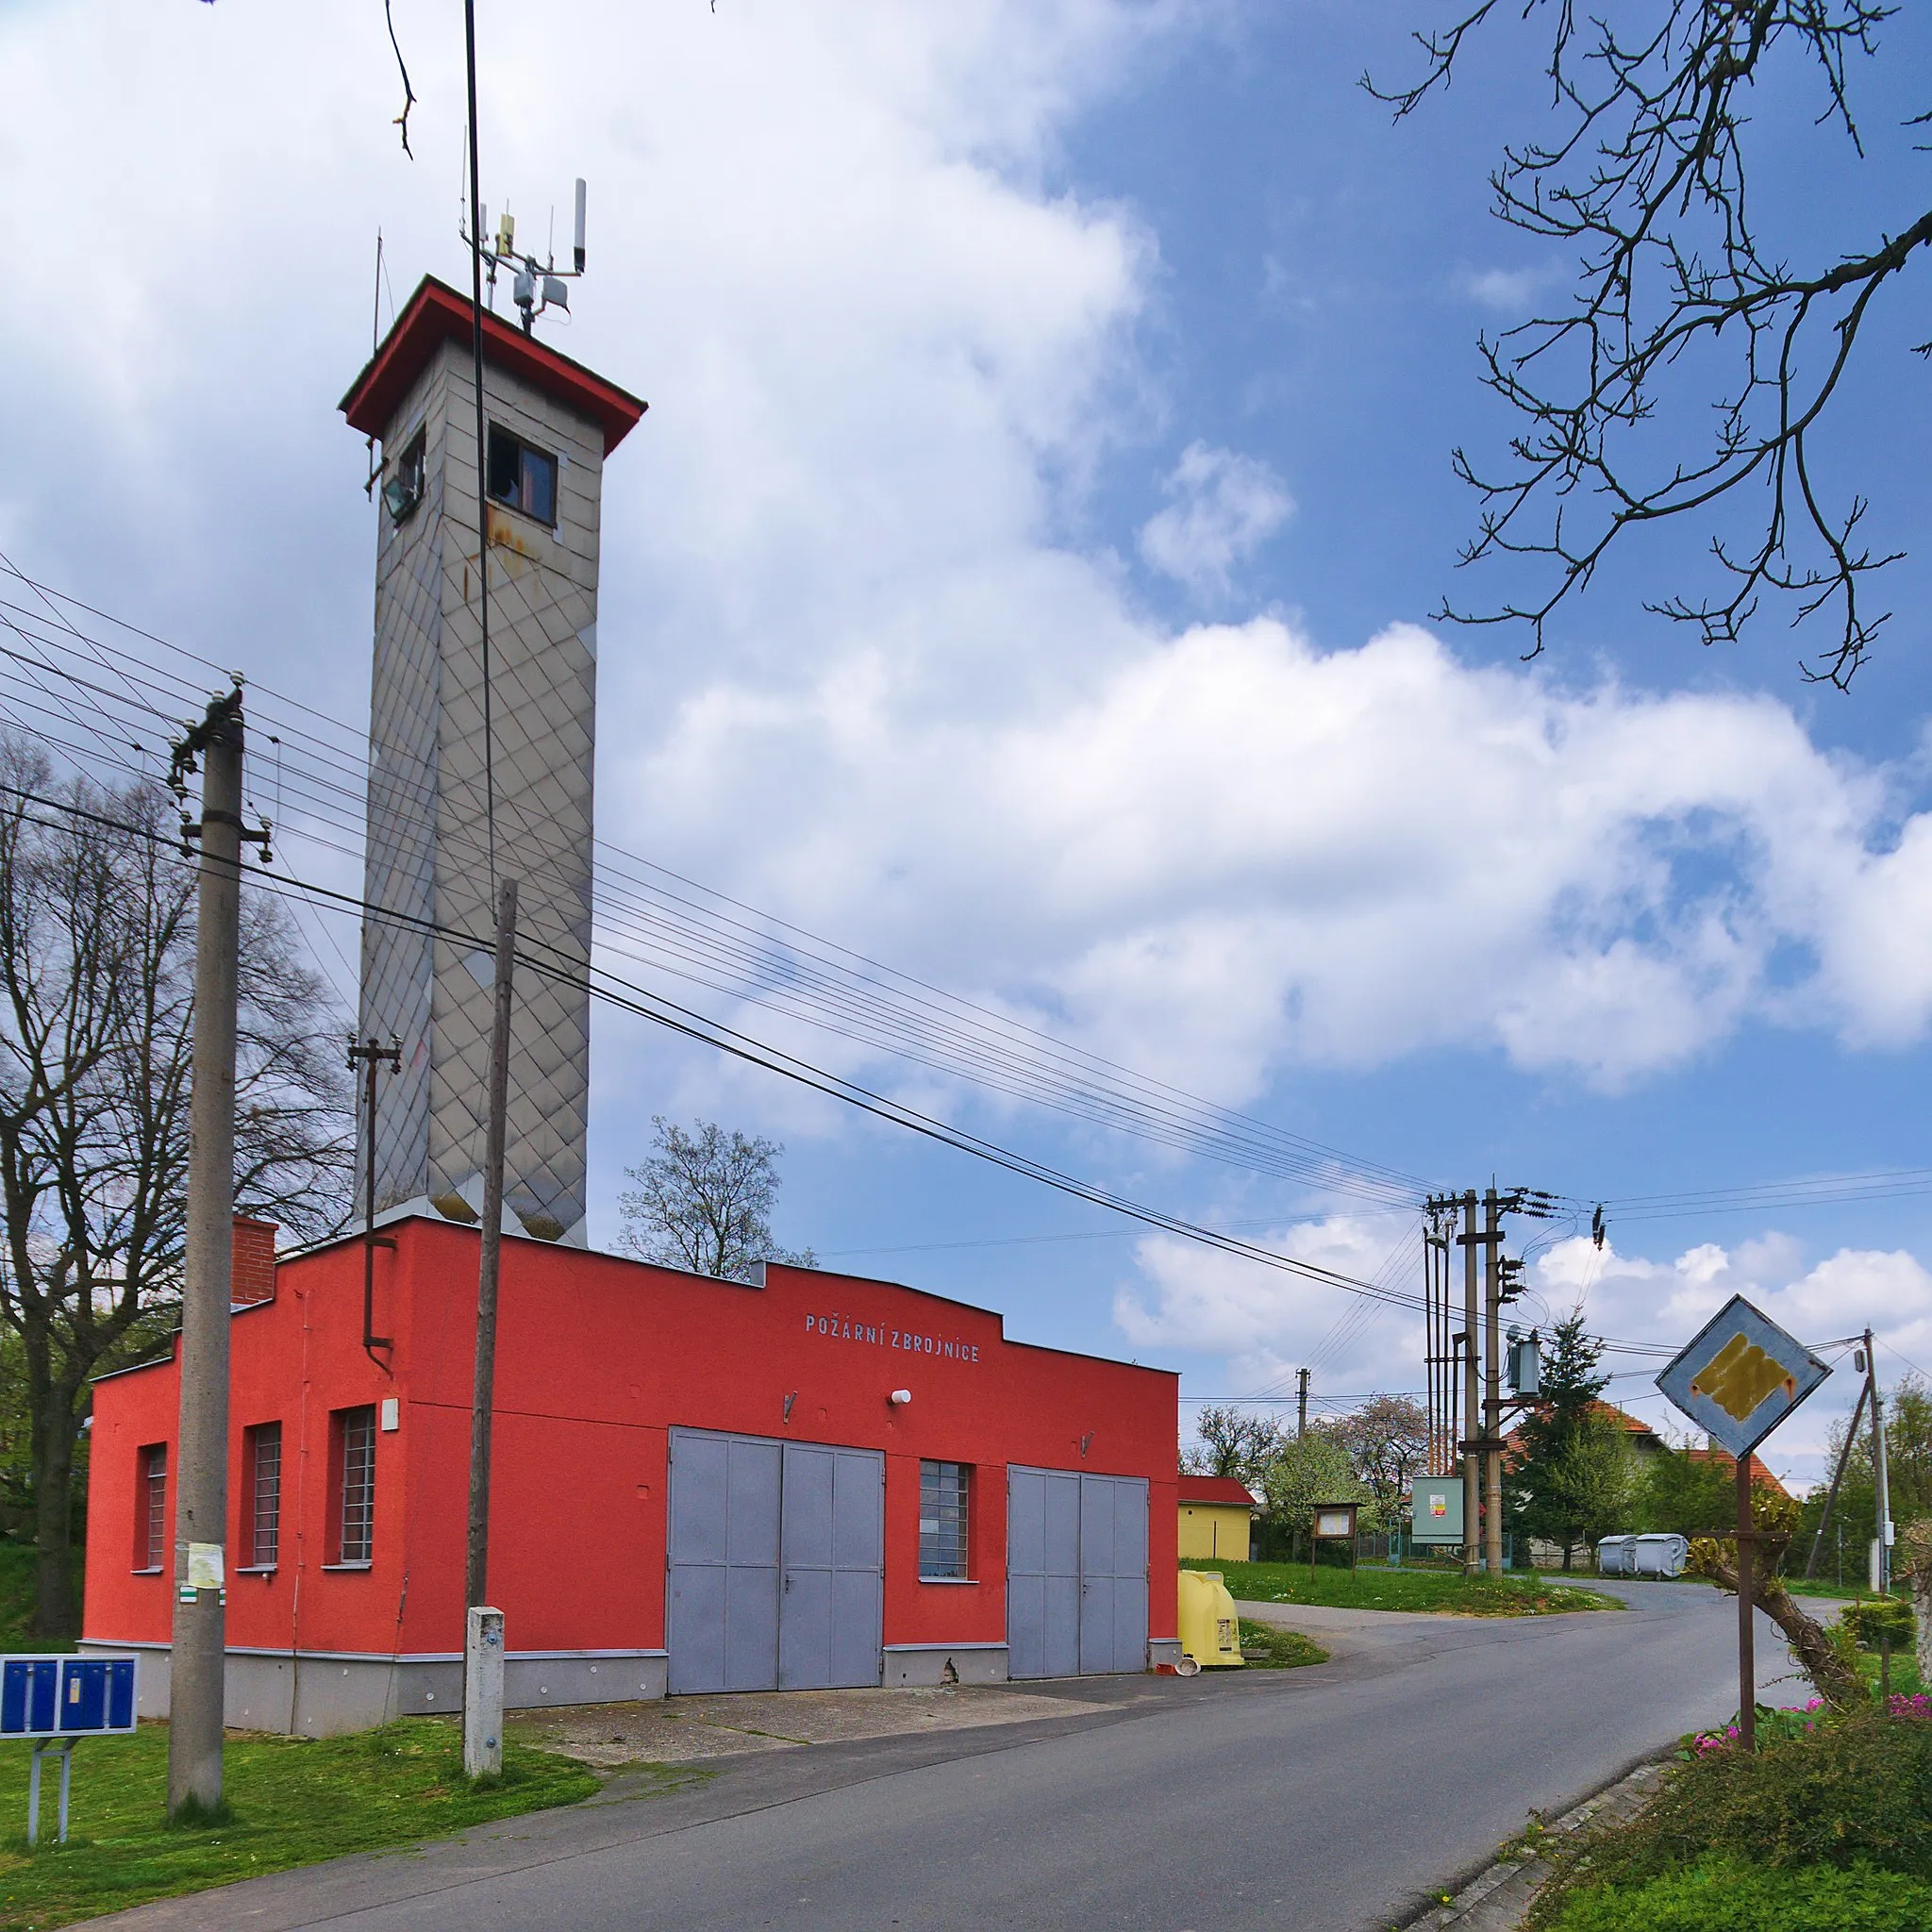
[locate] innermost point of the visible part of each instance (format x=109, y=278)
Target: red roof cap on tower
x=435, y=315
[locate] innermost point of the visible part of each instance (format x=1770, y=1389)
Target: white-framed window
x=946, y=1493
x=265, y=1496
x=151, y=1508
x=355, y=1445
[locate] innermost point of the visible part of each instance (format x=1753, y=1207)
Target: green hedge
x=1725, y=1896
x=1851, y=1796
x=1875, y=1617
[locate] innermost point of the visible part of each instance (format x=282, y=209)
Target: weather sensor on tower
x=538, y=286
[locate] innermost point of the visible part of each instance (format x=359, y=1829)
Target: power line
x=660, y=918
x=695, y=1027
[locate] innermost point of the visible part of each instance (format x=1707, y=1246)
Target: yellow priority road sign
x=1740, y=1377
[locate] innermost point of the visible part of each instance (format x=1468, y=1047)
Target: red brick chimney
x=254, y=1263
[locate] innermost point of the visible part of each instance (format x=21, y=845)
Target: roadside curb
x=1496, y=1899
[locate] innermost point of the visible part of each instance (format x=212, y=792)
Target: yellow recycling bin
x=1209, y=1630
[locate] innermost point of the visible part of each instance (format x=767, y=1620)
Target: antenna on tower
x=537, y=287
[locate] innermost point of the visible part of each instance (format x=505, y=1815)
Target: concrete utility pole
x=1301, y=1427
x=1492, y=1379
x=483, y=1646
x=1472, y=1392
x=1881, y=1474
x=198, y=1658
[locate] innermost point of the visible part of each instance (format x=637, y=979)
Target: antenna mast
x=538, y=286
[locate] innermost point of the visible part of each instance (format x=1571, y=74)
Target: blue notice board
x=66, y=1696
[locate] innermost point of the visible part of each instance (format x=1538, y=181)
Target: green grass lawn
x=1375, y=1587
x=292, y=1801
x=1287, y=1650
x=1732, y=1895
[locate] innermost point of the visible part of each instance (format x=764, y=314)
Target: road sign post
x=1739, y=1379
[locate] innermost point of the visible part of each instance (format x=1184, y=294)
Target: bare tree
x=704, y=1201
x=1231, y=1442
x=96, y=979
x=1682, y=314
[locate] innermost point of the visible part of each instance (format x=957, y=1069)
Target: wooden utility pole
x=199, y=1652
x=1301, y=1426
x=1844, y=1455
x=483, y=1728
x=1492, y=1382
x=1472, y=1394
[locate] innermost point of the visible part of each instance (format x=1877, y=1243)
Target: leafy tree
x=1908, y=1464
x=1692, y=1495
x=1308, y=1471
x=704, y=1201
x=1573, y=1470
x=97, y=1026
x=1386, y=1441
x=1586, y=1490
x=1231, y=1442
x=1909, y=1449
x=1694, y=370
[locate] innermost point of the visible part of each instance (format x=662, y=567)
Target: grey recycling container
x=1616, y=1556
x=1659, y=1554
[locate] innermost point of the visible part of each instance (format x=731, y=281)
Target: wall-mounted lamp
x=900, y=1397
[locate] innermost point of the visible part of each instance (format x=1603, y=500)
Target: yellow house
x=1216, y=1515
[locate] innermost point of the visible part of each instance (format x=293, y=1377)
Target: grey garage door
x=773, y=1569
x=1076, y=1573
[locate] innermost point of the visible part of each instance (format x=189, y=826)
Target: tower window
x=404, y=491
x=522, y=477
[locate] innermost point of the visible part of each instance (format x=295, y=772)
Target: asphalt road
x=1334, y=1797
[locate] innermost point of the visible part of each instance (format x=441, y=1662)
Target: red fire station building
x=699, y=1485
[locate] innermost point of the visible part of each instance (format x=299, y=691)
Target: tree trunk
x=1569, y=1549
x=55, y=1620
x=1836, y=1681
x=1915, y=1549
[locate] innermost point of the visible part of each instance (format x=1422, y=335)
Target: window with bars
x=945, y=1493
x=265, y=1496
x=356, y=1449
x=151, y=1506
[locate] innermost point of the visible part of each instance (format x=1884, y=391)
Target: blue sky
x=1023, y=577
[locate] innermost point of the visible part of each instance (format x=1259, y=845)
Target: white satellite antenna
x=536, y=286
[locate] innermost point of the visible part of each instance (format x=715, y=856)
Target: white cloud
x=1256, y=1326
x=1510, y=291
x=1665, y=1303
x=1266, y=1323
x=1231, y=851
x=1223, y=506
x=852, y=669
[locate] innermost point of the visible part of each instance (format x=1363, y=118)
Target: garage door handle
x=787, y=1583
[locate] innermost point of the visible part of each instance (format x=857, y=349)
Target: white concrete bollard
x=483, y=1693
